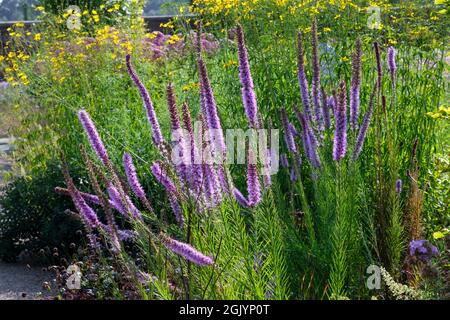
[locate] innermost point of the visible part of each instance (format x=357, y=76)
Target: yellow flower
x=2, y=58
x=326, y=29
x=19, y=25
x=39, y=8
x=345, y=59
x=37, y=37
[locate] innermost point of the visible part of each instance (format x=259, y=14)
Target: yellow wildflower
x=37, y=37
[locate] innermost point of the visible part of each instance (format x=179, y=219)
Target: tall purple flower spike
x=132, y=178
x=340, y=135
x=364, y=126
x=148, y=104
x=309, y=140
x=302, y=81
x=288, y=137
x=187, y=251
x=248, y=93
x=356, y=84
x=240, y=198
x=124, y=206
x=210, y=107
x=94, y=137
x=326, y=109
x=315, y=84
x=391, y=62
x=253, y=185
x=176, y=208
x=88, y=214
x=183, y=157
x=196, y=172
x=163, y=178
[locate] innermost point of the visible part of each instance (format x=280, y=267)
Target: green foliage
x=33, y=217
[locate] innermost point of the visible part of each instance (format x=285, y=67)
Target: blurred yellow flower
x=37, y=37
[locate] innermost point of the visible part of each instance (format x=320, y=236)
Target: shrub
x=32, y=216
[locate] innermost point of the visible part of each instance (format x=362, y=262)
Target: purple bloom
x=253, y=186
x=164, y=179
x=356, y=84
x=177, y=210
x=240, y=198
x=302, y=81
x=210, y=109
x=315, y=86
x=340, y=135
x=379, y=69
x=391, y=62
x=187, y=252
x=422, y=250
x=123, y=203
x=293, y=175
x=88, y=214
x=212, y=185
x=133, y=180
x=267, y=179
x=174, y=118
x=365, y=125
x=309, y=140
x=151, y=115
x=288, y=137
x=398, y=186
x=332, y=104
x=248, y=93
x=284, y=161
x=293, y=130
x=93, y=136
x=325, y=110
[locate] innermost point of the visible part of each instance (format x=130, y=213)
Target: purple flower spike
x=326, y=109
x=309, y=140
x=293, y=175
x=332, y=104
x=356, y=84
x=124, y=206
x=240, y=198
x=133, y=180
x=253, y=185
x=94, y=137
x=398, y=186
x=88, y=214
x=340, y=135
x=177, y=210
x=391, y=62
x=164, y=179
x=302, y=81
x=187, y=252
x=365, y=125
x=284, y=161
x=151, y=115
x=248, y=93
x=288, y=137
x=210, y=109
x=315, y=85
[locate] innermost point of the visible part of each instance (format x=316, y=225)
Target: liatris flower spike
x=240, y=198
x=398, y=186
x=94, y=137
x=186, y=251
x=302, y=81
x=340, y=135
x=315, y=85
x=391, y=62
x=151, y=114
x=253, y=185
x=248, y=93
